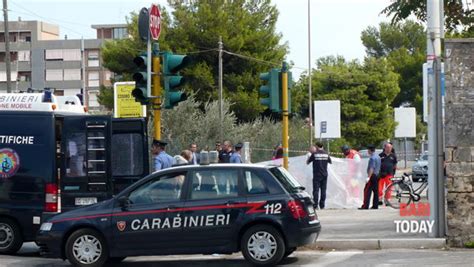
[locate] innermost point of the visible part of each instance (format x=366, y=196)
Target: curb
x=373, y=244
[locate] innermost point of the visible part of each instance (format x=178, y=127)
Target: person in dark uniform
x=320, y=160
x=388, y=167
x=373, y=169
x=226, y=152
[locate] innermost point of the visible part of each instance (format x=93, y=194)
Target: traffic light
x=272, y=89
x=171, y=78
x=140, y=92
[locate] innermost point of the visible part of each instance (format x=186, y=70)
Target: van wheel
x=10, y=236
x=263, y=245
x=86, y=247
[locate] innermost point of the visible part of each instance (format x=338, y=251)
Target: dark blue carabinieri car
x=218, y=208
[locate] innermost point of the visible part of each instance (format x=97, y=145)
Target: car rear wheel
x=263, y=245
x=10, y=236
x=86, y=248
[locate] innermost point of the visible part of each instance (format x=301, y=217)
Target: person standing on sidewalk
x=371, y=186
x=387, y=169
x=320, y=160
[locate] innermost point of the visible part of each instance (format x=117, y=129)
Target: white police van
x=55, y=157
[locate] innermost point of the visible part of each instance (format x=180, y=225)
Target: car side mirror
x=416, y=159
x=124, y=202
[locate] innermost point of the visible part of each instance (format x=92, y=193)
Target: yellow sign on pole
x=125, y=105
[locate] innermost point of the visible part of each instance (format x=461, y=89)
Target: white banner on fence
x=346, y=180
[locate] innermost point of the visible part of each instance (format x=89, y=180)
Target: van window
x=127, y=154
x=76, y=154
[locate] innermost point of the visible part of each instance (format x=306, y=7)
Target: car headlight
x=46, y=226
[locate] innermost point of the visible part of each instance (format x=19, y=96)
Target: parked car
x=420, y=169
x=194, y=209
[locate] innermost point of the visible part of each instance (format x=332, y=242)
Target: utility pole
x=220, y=89
x=284, y=101
x=310, y=104
x=436, y=179
x=156, y=92
x=85, y=97
x=7, y=47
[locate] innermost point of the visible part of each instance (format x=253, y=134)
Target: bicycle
x=401, y=191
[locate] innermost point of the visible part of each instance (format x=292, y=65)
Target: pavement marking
x=336, y=257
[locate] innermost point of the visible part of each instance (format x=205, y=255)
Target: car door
x=150, y=220
x=214, y=206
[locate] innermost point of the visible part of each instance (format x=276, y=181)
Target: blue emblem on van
x=10, y=162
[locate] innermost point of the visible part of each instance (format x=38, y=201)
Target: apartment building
x=41, y=59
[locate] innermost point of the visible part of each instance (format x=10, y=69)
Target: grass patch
x=469, y=244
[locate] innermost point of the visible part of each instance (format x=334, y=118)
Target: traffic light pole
x=157, y=94
x=284, y=101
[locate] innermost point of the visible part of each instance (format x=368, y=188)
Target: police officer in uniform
x=320, y=160
x=226, y=153
x=162, y=159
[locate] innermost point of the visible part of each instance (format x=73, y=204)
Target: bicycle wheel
x=395, y=194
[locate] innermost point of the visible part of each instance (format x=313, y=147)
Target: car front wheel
x=263, y=245
x=86, y=248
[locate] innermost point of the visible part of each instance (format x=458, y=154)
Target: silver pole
x=220, y=89
x=435, y=127
x=148, y=66
x=406, y=149
x=310, y=92
x=7, y=47
x=83, y=69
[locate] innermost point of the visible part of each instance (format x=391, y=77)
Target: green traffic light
x=171, y=64
x=270, y=91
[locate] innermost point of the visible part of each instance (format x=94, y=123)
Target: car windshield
x=424, y=157
x=285, y=178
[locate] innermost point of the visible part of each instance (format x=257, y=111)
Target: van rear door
x=86, y=173
x=130, y=160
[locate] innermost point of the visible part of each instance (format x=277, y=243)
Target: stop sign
x=155, y=22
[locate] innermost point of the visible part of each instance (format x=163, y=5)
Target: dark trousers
x=371, y=187
x=320, y=183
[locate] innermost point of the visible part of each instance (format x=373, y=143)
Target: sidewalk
x=369, y=229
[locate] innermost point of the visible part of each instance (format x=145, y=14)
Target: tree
x=247, y=28
x=404, y=47
x=365, y=91
x=458, y=18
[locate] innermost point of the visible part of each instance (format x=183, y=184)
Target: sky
x=336, y=25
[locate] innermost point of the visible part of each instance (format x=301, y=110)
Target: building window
x=72, y=54
x=24, y=76
x=120, y=33
x=54, y=54
x=93, y=79
x=54, y=75
x=93, y=58
x=93, y=101
x=3, y=76
x=24, y=55
x=72, y=74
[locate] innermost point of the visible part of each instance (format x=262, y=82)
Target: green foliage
x=469, y=244
x=404, y=47
x=365, y=91
x=458, y=19
x=187, y=123
x=106, y=97
x=193, y=28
